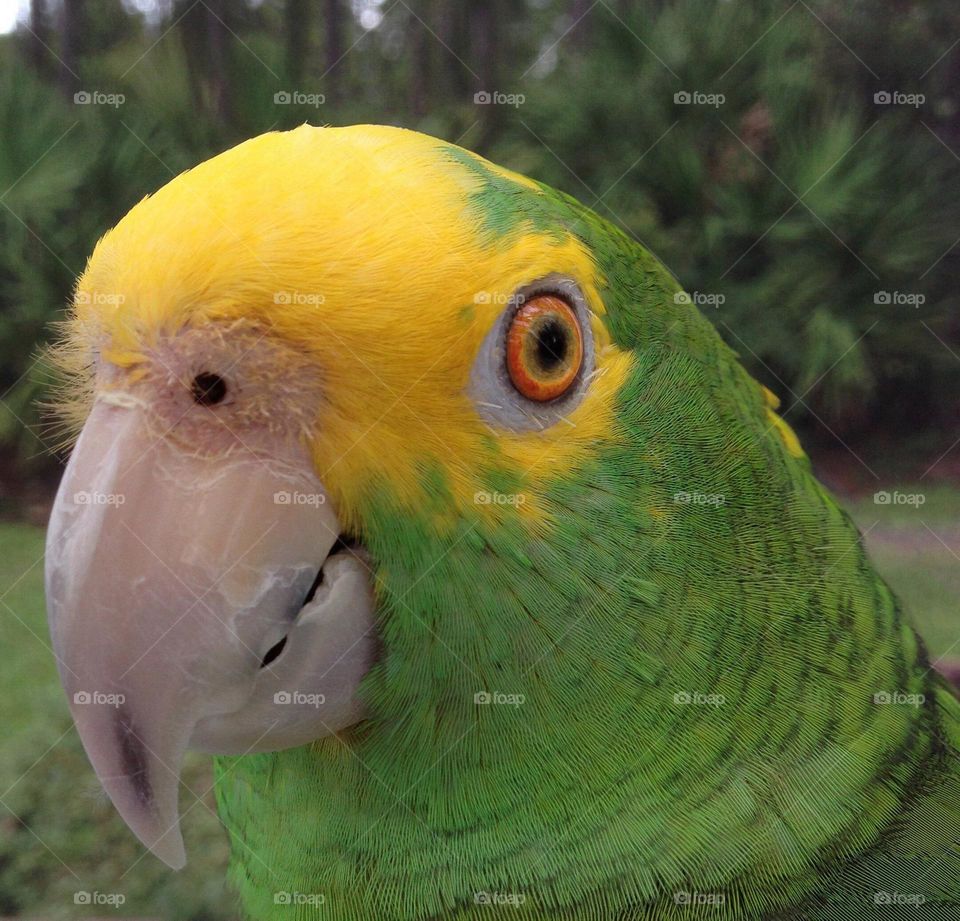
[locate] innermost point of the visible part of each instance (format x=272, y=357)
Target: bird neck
x=685, y=681
x=599, y=754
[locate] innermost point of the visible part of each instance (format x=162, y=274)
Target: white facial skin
x=182, y=546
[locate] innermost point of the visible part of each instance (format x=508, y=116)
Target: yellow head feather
x=358, y=247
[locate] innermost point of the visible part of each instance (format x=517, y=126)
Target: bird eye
x=544, y=348
x=208, y=388
x=537, y=359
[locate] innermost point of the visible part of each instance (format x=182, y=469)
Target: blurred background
x=794, y=164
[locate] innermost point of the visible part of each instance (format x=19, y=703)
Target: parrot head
x=384, y=446
x=278, y=357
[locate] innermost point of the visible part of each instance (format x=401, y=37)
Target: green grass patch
x=913, y=536
x=59, y=835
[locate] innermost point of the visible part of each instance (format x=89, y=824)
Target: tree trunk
x=72, y=24
x=297, y=26
x=334, y=48
x=580, y=15
x=218, y=48
x=39, y=22
x=453, y=34
x=484, y=55
x=421, y=45
x=206, y=45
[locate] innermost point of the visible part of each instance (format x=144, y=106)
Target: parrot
x=427, y=502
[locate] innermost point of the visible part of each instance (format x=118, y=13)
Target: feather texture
x=667, y=685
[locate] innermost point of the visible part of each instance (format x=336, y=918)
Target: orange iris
x=544, y=348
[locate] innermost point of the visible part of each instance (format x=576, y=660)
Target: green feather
x=684, y=722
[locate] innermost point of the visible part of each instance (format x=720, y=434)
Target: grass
x=59, y=835
x=29, y=681
x=916, y=547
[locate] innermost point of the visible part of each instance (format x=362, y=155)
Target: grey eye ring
x=494, y=390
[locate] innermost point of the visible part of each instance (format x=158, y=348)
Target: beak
x=197, y=602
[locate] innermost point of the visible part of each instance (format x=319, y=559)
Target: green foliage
x=41, y=169
x=791, y=205
x=797, y=199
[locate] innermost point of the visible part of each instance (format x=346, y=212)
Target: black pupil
x=552, y=344
x=208, y=388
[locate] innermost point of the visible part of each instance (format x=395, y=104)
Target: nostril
x=273, y=652
x=208, y=389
